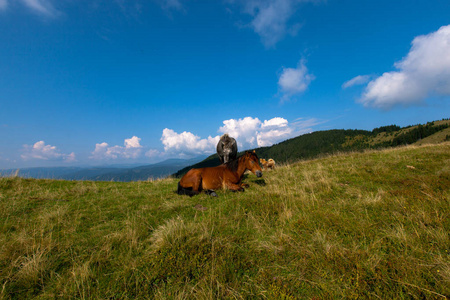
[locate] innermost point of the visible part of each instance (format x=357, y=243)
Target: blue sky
x=139, y=81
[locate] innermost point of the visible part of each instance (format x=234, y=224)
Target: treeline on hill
x=312, y=145
x=418, y=133
x=338, y=140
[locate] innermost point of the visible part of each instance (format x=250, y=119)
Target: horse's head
x=252, y=163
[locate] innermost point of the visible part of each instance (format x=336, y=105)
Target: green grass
x=361, y=225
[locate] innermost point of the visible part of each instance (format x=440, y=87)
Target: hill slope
x=360, y=225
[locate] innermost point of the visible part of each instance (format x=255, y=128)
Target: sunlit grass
x=358, y=225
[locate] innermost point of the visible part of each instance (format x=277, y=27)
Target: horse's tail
x=186, y=191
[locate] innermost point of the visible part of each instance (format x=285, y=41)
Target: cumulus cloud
x=131, y=149
x=45, y=152
x=252, y=132
x=273, y=131
x=249, y=133
x=132, y=143
x=424, y=72
x=186, y=143
x=358, y=80
x=243, y=130
x=294, y=81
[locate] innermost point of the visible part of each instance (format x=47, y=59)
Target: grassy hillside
x=365, y=225
x=430, y=133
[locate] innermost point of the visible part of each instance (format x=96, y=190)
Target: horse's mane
x=232, y=165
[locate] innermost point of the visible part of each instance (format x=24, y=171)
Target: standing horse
x=226, y=148
x=227, y=175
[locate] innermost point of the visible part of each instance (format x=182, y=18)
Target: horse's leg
x=233, y=187
x=191, y=184
x=187, y=191
x=211, y=193
x=211, y=180
x=197, y=183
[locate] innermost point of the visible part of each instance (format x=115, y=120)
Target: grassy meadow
x=366, y=225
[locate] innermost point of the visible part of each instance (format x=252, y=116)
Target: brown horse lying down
x=227, y=175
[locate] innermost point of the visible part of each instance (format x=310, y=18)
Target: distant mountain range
x=105, y=173
x=302, y=147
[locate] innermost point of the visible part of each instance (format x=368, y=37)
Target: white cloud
x=358, y=80
x=131, y=149
x=45, y=152
x=294, y=81
x=187, y=143
x=132, y=143
x=425, y=71
x=243, y=130
x=251, y=132
x=101, y=151
x=273, y=131
x=275, y=122
x=270, y=137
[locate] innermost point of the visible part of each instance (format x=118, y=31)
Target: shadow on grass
x=260, y=182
